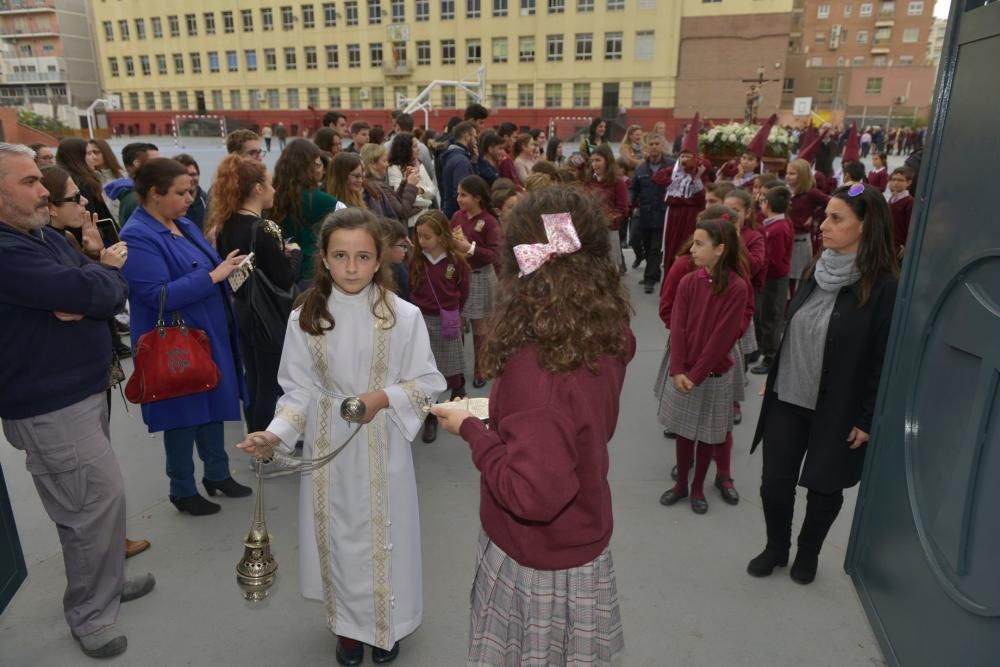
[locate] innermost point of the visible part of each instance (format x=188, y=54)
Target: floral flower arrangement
x=732, y=138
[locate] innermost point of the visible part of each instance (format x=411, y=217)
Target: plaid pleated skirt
x=739, y=375
x=748, y=343
x=801, y=255
x=448, y=353
x=482, y=294
x=704, y=415
x=522, y=617
x=663, y=375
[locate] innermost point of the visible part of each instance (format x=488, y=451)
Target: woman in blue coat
x=169, y=250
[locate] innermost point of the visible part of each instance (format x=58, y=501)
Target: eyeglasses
x=405, y=247
x=253, y=153
x=75, y=198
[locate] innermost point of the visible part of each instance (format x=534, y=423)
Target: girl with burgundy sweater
x=479, y=237
x=755, y=247
x=558, y=353
x=802, y=210
x=707, y=319
x=605, y=180
x=439, y=280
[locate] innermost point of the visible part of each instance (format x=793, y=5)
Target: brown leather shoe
x=135, y=547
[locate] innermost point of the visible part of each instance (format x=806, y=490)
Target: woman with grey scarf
x=819, y=400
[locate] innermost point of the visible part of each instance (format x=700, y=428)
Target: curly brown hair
x=293, y=175
x=235, y=180
x=316, y=318
x=574, y=308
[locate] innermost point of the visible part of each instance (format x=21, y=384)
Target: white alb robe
x=359, y=526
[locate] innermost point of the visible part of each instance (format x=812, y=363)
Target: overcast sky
x=941, y=8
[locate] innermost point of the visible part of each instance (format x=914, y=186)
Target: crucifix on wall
x=753, y=95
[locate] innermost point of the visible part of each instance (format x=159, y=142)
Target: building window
x=554, y=48
x=293, y=98
x=113, y=66
x=423, y=52
x=178, y=63
x=906, y=60
x=866, y=9
x=526, y=49
x=235, y=99
x=228, y=23
x=613, y=45
x=883, y=36
x=880, y=61
x=499, y=50
x=585, y=46
x=270, y=60
x=911, y=35
x=822, y=11
x=887, y=9
x=182, y=100
x=644, y=45
x=312, y=97
x=473, y=9
x=157, y=27
x=553, y=95
x=255, y=97
x=583, y=6
x=140, y=29
x=144, y=65
x=123, y=30
x=129, y=66
x=647, y=4
x=353, y=56
x=175, y=26
x=272, y=98
x=312, y=60
x=499, y=7
x=375, y=53
x=150, y=99
x=250, y=58
x=848, y=9
x=862, y=37
x=333, y=97
x=821, y=37
x=287, y=18
x=473, y=51
x=329, y=15
x=557, y=6
x=246, y=16
x=267, y=20
x=351, y=10
x=815, y=61
x=374, y=12
x=824, y=85
x=423, y=10
x=788, y=86
x=447, y=52
x=527, y=7
x=191, y=21
x=291, y=62
x=525, y=95
x=616, y=5
x=213, y=62
x=873, y=86
x=133, y=101
x=915, y=9
x=332, y=56
x=448, y=97
x=216, y=99
x=447, y=9
x=397, y=9
x=209, y=23
x=642, y=93
x=165, y=102
x=308, y=16
x=231, y=62
x=161, y=64
x=498, y=95
x=581, y=94
x=857, y=61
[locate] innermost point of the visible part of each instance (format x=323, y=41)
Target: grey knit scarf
x=834, y=271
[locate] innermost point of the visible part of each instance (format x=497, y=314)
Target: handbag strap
x=433, y=291
x=163, y=302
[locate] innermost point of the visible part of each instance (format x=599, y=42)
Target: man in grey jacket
x=647, y=196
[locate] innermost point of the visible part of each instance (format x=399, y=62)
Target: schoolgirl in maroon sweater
x=558, y=355
x=900, y=205
x=878, y=177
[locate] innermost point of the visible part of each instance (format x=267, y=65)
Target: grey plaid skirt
x=482, y=294
x=448, y=352
x=522, y=617
x=704, y=415
x=739, y=375
x=663, y=375
x=802, y=254
x=748, y=343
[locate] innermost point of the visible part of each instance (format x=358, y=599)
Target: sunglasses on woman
x=75, y=198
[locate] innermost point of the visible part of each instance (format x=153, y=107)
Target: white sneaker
x=271, y=469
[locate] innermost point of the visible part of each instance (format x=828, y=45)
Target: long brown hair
x=574, y=308
x=612, y=172
x=722, y=231
x=338, y=181
x=111, y=162
x=438, y=223
x=234, y=182
x=72, y=156
x=293, y=175
x=876, y=253
x=315, y=317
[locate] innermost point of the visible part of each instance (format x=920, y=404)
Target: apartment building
x=47, y=61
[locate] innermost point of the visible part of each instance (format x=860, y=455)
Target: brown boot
x=135, y=547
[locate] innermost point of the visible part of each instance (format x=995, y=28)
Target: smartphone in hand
x=108, y=230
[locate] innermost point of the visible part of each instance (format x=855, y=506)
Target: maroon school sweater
x=544, y=494
x=451, y=284
x=879, y=179
x=706, y=325
x=902, y=211
x=779, y=238
x=483, y=230
x=803, y=207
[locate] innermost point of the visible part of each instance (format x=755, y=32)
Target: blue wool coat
x=157, y=258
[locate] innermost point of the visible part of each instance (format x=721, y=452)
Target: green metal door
x=12, y=568
x=925, y=545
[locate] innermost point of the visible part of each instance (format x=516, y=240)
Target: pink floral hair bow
x=560, y=232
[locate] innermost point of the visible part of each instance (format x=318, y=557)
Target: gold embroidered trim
x=419, y=401
x=296, y=418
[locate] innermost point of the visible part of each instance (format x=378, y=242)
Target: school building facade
x=258, y=62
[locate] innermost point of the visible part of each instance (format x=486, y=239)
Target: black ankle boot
x=194, y=505
x=381, y=656
x=430, y=429
x=349, y=652
x=765, y=562
x=821, y=511
x=778, y=519
x=229, y=487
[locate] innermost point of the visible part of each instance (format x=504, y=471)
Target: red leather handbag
x=171, y=361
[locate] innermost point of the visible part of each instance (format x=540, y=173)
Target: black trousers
x=261, y=366
x=770, y=315
x=648, y=245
